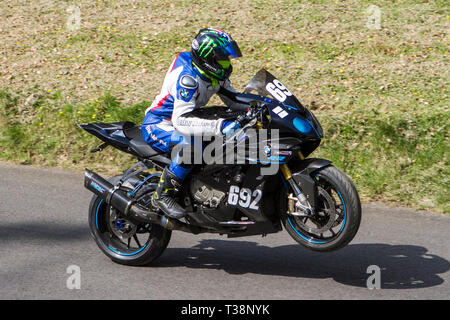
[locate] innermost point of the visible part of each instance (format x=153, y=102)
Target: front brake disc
x=324, y=218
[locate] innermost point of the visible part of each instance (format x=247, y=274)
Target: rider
x=190, y=81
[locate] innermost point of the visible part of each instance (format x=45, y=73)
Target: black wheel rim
x=120, y=235
x=330, y=219
x=130, y=244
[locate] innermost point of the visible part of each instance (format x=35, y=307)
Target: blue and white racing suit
x=169, y=120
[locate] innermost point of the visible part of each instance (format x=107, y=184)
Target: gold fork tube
x=286, y=171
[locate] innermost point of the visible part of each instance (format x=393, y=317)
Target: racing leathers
x=170, y=119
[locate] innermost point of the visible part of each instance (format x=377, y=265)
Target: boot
x=163, y=196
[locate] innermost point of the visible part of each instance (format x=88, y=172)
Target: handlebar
x=249, y=119
x=252, y=112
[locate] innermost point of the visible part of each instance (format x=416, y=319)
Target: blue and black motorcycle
x=315, y=202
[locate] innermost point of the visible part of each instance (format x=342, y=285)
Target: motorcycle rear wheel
x=123, y=241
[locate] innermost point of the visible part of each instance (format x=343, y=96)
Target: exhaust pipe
x=119, y=199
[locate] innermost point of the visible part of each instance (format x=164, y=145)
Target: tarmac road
x=44, y=229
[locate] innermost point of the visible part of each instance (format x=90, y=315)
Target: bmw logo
x=184, y=93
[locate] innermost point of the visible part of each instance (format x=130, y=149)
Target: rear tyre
x=123, y=241
x=338, y=214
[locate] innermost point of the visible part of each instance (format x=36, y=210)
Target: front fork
x=299, y=202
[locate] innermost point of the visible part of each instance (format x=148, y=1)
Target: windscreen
x=264, y=83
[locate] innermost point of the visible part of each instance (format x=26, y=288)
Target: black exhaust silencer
x=105, y=190
x=119, y=199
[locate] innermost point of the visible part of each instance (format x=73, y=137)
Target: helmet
x=211, y=52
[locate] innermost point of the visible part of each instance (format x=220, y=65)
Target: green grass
x=380, y=94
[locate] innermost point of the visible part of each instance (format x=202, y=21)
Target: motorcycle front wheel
x=336, y=219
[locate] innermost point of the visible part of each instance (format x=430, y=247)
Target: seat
x=138, y=144
x=132, y=132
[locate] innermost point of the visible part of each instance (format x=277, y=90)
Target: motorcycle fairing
x=127, y=137
x=220, y=177
x=285, y=109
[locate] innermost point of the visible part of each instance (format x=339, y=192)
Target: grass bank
x=377, y=79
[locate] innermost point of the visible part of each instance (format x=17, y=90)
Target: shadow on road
x=402, y=266
x=42, y=232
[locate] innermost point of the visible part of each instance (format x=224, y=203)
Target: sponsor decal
x=280, y=112
x=195, y=44
x=184, y=94
x=97, y=187
x=284, y=153
x=211, y=67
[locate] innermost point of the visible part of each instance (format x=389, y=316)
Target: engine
x=206, y=195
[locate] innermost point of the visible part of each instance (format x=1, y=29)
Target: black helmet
x=211, y=52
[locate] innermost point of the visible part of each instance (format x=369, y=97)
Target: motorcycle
x=314, y=201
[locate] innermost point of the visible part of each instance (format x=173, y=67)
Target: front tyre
x=121, y=240
x=337, y=218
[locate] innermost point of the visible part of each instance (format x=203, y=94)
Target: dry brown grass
x=104, y=54
x=382, y=94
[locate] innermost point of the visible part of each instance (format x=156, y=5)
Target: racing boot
x=163, y=197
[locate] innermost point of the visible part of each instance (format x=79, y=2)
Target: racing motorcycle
x=314, y=201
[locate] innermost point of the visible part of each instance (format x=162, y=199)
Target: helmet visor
x=232, y=49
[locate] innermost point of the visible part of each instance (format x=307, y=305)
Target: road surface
x=44, y=230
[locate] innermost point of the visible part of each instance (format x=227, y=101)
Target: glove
x=230, y=127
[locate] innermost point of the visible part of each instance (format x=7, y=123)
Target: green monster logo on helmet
x=211, y=53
